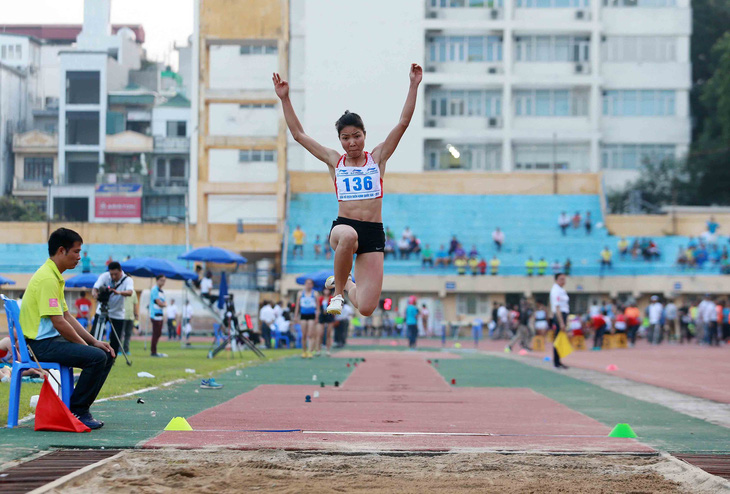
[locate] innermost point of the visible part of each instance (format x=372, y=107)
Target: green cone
x=622, y=430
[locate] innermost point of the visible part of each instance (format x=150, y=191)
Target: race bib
x=358, y=183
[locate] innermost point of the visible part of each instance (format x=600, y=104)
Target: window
x=463, y=157
x=553, y=4
x=18, y=51
x=248, y=106
x=552, y=48
x=551, y=103
x=162, y=207
x=465, y=103
x=259, y=48
x=176, y=128
x=82, y=127
x=465, y=49
x=632, y=156
x=544, y=156
x=11, y=52
x=638, y=103
x=170, y=172
x=256, y=155
x=4, y=52
x=657, y=49
x=82, y=88
x=472, y=304
x=37, y=169
x=640, y=3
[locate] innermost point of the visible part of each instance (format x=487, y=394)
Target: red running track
x=396, y=402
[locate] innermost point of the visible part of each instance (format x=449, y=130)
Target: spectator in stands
x=460, y=262
x=588, y=223
x=656, y=312
x=482, y=266
x=725, y=264
x=623, y=247
x=404, y=247
x=689, y=254
x=453, y=245
x=317, y=247
x=298, y=235
x=700, y=255
x=473, y=252
x=389, y=234
x=576, y=220
x=563, y=222
x=715, y=254
x=712, y=226
x=389, y=248
x=415, y=245
x=206, y=288
x=633, y=321
x=199, y=274
x=567, y=267
x=681, y=257
x=530, y=266
x=407, y=234
x=442, y=257
x=542, y=266
x=692, y=243
x=474, y=265
x=327, y=248
x=606, y=258
x=556, y=267
x=498, y=237
x=654, y=252
x=494, y=265
x=427, y=256
x=635, y=249
x=459, y=252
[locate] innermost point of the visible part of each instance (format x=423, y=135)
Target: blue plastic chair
x=298, y=328
x=278, y=336
x=22, y=362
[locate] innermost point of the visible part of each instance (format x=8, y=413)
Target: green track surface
x=656, y=425
x=127, y=423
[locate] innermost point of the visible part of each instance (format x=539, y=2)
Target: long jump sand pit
x=278, y=471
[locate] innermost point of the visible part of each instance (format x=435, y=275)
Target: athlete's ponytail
x=349, y=118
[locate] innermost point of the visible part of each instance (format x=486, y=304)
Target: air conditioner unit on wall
x=430, y=68
x=494, y=69
x=432, y=15
x=582, y=15
x=494, y=14
x=494, y=122
x=430, y=123
x=582, y=68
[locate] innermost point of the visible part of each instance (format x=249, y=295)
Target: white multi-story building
x=509, y=85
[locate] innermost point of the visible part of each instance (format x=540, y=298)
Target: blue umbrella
x=318, y=277
x=213, y=254
x=150, y=267
x=6, y=281
x=222, y=291
x=85, y=280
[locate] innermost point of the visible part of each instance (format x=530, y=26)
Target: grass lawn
x=123, y=378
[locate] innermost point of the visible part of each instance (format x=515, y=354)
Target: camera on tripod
x=104, y=292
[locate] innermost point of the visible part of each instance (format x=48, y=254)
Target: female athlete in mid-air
x=358, y=178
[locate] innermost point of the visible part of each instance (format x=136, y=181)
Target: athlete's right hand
x=280, y=86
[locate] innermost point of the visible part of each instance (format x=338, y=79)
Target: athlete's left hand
x=416, y=73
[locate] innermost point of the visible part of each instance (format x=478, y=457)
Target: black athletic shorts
x=325, y=318
x=370, y=236
x=306, y=317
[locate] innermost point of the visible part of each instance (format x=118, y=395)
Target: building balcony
x=473, y=10
x=492, y=69
x=28, y=187
x=35, y=142
x=172, y=145
x=165, y=186
x=464, y=123
x=541, y=73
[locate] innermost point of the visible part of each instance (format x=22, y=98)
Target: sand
x=224, y=471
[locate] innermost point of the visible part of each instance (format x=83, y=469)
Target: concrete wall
x=687, y=224
x=162, y=115
x=225, y=167
x=229, y=119
x=257, y=209
x=231, y=70
x=461, y=183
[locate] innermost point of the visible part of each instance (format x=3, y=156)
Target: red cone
x=51, y=414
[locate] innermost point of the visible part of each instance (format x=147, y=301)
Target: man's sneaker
x=89, y=421
x=161, y=355
x=210, y=384
x=335, y=306
x=330, y=282
x=507, y=349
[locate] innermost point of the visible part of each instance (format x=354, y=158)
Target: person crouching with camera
x=54, y=335
x=109, y=292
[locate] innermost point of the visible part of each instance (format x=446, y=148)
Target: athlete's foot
x=330, y=282
x=335, y=306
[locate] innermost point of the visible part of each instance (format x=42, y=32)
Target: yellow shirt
x=43, y=298
x=460, y=264
x=623, y=244
x=298, y=237
x=530, y=265
x=606, y=255
x=494, y=264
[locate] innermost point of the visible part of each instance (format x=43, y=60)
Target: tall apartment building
x=509, y=85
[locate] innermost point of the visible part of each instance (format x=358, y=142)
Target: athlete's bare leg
x=343, y=240
x=369, y=276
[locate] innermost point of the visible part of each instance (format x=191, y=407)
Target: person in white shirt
x=560, y=307
x=594, y=309
x=498, y=237
x=706, y=313
x=656, y=310
x=563, y=222
x=119, y=285
x=206, y=288
x=266, y=319
x=407, y=234
x=171, y=313
x=187, y=316
x=502, y=322
x=671, y=321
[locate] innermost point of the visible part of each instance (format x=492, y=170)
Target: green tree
x=659, y=184
x=715, y=95
x=13, y=210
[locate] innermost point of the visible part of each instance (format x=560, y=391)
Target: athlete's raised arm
x=385, y=150
x=322, y=153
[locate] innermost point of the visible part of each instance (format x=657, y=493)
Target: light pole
x=49, y=183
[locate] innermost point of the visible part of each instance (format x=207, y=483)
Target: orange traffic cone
x=51, y=414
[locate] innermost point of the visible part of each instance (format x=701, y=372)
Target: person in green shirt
x=542, y=266
x=426, y=256
x=530, y=266
x=54, y=335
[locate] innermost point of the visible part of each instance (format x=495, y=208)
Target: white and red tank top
x=357, y=183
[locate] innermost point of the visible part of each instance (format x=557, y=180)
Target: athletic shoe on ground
x=335, y=306
x=210, y=384
x=507, y=349
x=328, y=353
x=89, y=421
x=309, y=355
x=161, y=355
x=304, y=354
x=330, y=282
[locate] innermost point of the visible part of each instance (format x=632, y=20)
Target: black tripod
x=100, y=328
x=235, y=333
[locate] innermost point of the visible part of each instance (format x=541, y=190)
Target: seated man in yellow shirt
x=55, y=335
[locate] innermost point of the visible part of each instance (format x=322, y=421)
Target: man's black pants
x=118, y=325
x=556, y=357
x=94, y=362
x=266, y=334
